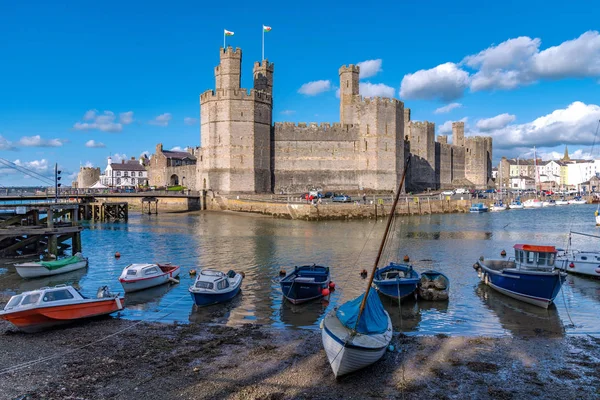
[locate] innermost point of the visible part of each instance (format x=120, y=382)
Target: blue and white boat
x=212, y=287
x=305, y=283
x=530, y=276
x=396, y=280
x=478, y=208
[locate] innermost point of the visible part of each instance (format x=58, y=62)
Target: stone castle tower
x=236, y=128
x=87, y=176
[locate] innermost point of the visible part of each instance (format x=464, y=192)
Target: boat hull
x=305, y=284
x=516, y=206
x=573, y=264
x=36, y=319
x=348, y=353
x=396, y=289
x=205, y=299
x=537, y=288
x=36, y=270
x=134, y=285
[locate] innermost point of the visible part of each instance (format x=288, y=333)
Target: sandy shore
x=157, y=361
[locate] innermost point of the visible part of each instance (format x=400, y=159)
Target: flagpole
x=224, y=36
x=263, y=42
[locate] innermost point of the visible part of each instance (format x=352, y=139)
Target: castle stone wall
x=422, y=146
x=476, y=161
x=443, y=164
x=458, y=163
x=87, y=176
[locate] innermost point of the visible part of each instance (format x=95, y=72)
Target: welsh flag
x=266, y=28
x=228, y=33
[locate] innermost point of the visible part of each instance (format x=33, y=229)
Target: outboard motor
x=231, y=274
x=103, y=293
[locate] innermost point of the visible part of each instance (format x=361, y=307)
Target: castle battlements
x=385, y=101
x=230, y=52
x=349, y=68
x=264, y=64
x=422, y=124
x=235, y=94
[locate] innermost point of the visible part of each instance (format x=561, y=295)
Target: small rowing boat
x=47, y=268
x=396, y=280
x=143, y=276
x=212, y=287
x=434, y=286
x=305, y=283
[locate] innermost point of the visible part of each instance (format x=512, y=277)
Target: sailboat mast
x=383, y=240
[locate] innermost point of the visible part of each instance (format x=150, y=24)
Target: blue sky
x=142, y=66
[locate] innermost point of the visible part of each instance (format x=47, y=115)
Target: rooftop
x=129, y=165
x=179, y=155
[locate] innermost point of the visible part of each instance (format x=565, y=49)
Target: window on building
x=118, y=173
x=125, y=173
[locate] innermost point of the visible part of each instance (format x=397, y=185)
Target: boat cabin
x=211, y=280
x=535, y=257
x=142, y=270
x=45, y=296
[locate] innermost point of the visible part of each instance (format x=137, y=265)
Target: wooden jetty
x=25, y=233
x=104, y=211
x=149, y=200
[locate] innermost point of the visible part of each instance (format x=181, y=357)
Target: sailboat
x=357, y=333
x=536, y=202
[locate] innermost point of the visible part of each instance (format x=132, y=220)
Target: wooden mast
x=383, y=240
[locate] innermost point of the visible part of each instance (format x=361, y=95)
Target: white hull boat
x=597, y=220
x=38, y=269
x=349, y=351
x=515, y=206
x=548, y=204
x=533, y=203
x=143, y=276
x=580, y=262
x=498, y=208
x=562, y=203
x=577, y=202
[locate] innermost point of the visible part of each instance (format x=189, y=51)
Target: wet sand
x=158, y=361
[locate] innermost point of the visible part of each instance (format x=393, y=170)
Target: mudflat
x=122, y=359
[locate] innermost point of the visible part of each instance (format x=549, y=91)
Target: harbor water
x=260, y=246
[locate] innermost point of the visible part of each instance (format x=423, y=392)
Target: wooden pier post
x=52, y=239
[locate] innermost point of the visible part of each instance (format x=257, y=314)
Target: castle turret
x=458, y=133
x=263, y=76
x=228, y=72
x=348, y=91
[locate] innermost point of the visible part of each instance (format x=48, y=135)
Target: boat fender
x=572, y=265
x=331, y=286
x=476, y=266
x=243, y=274
x=325, y=292
x=406, y=258
x=503, y=253
x=173, y=280
x=117, y=254
x=391, y=348
x=598, y=270
x=321, y=324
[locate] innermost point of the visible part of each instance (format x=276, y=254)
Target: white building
x=130, y=173
x=549, y=171
x=522, y=183
x=579, y=171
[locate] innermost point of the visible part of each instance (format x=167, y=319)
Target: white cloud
x=445, y=82
x=88, y=164
x=179, y=148
x=104, y=122
x=126, y=118
x=497, y=122
x=37, y=141
x=93, y=144
x=146, y=153
x=288, y=112
x=315, y=87
x=575, y=124
x=448, y=108
x=161, y=120
x=369, y=68
x=6, y=144
x=39, y=166
x=367, y=89
x=513, y=63
x=337, y=93
x=190, y=121
x=446, y=127
x=117, y=158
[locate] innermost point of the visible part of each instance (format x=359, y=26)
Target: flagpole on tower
x=224, y=36
x=263, y=42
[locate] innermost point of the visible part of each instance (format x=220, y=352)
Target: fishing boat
x=478, y=208
x=498, y=206
x=577, y=200
x=530, y=277
x=562, y=202
x=305, y=283
x=143, y=276
x=357, y=333
x=580, y=262
x=212, y=287
x=515, y=205
x=396, y=280
x=46, y=268
x=50, y=306
x=433, y=286
x=533, y=203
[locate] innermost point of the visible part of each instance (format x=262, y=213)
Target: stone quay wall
x=165, y=204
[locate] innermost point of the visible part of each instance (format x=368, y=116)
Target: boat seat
x=304, y=279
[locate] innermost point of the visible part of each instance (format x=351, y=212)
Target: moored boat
x=143, y=276
x=548, y=203
x=498, y=206
x=50, y=306
x=47, y=268
x=562, y=202
x=212, y=287
x=577, y=200
x=579, y=262
x=478, y=208
x=531, y=277
x=533, y=203
x=515, y=205
x=305, y=283
x=396, y=280
x=433, y=286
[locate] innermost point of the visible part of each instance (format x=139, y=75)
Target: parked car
x=461, y=191
x=341, y=198
x=448, y=192
x=328, y=195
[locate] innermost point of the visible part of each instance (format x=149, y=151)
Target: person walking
x=364, y=198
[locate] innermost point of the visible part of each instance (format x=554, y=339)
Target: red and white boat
x=143, y=276
x=50, y=306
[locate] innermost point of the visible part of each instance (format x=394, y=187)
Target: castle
x=243, y=151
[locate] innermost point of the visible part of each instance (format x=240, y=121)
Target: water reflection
x=519, y=318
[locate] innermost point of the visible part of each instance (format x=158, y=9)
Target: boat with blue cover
x=212, y=287
x=305, y=283
x=357, y=333
x=478, y=208
x=530, y=276
x=396, y=280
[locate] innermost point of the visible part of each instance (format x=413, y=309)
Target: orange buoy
x=503, y=253
x=192, y=272
x=406, y=258
x=572, y=265
x=243, y=274
x=282, y=272
x=325, y=292
x=117, y=254
x=331, y=286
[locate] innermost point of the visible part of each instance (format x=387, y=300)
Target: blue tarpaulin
x=373, y=319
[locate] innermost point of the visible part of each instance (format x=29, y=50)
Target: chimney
x=133, y=158
x=122, y=161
